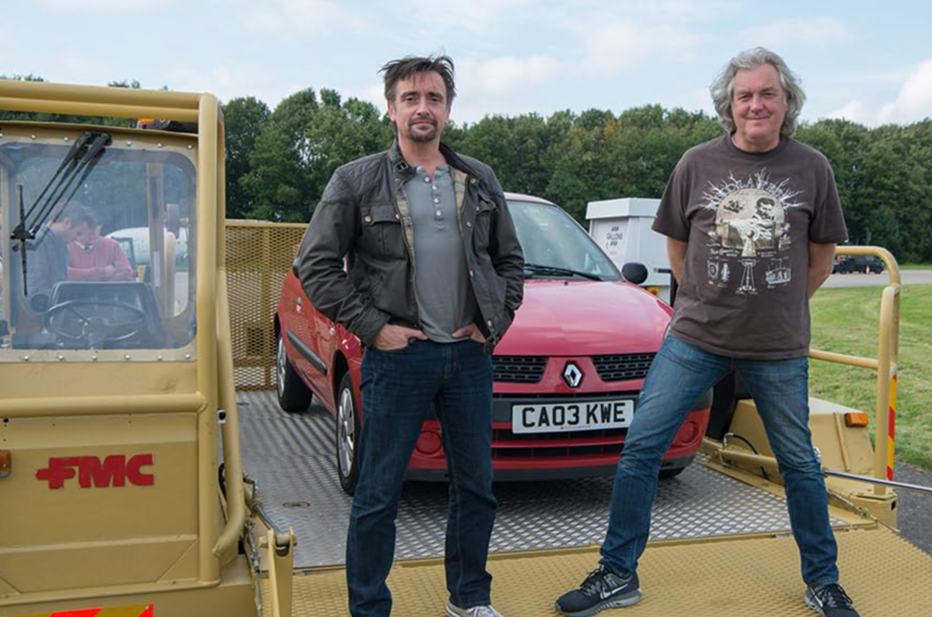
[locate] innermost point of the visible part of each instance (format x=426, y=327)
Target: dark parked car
x=858, y=263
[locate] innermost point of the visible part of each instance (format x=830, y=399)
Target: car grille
x=569, y=444
x=623, y=367
x=518, y=369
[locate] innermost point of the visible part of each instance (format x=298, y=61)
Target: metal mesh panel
x=258, y=256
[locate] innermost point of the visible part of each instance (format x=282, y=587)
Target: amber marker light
x=855, y=418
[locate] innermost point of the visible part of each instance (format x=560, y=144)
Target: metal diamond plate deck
x=292, y=457
x=746, y=577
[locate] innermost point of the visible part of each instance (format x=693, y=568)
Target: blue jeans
x=680, y=374
x=397, y=390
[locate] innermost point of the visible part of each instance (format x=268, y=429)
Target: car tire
x=347, y=435
x=666, y=474
x=293, y=394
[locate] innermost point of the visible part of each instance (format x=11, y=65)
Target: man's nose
x=423, y=108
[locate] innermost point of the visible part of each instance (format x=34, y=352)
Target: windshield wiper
x=77, y=164
x=542, y=269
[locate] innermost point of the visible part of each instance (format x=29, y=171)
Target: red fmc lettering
x=114, y=470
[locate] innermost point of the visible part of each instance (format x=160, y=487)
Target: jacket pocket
x=382, y=235
x=482, y=228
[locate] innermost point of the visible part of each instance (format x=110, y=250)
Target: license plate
x=571, y=416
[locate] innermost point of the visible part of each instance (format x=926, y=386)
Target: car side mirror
x=634, y=272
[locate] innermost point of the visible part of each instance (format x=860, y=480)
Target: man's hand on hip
x=392, y=338
x=470, y=331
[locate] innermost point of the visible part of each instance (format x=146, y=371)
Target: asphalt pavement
x=856, y=279
x=915, y=508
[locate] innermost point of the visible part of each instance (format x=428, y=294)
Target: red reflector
x=855, y=418
x=654, y=290
x=6, y=462
x=429, y=443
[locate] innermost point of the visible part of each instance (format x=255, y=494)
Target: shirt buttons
x=426, y=179
x=468, y=224
x=489, y=323
x=436, y=200
x=439, y=214
x=397, y=217
x=368, y=219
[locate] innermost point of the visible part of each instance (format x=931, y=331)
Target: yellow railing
x=885, y=364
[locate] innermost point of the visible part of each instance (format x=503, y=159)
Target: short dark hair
x=406, y=67
x=78, y=213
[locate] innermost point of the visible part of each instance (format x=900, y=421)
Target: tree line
x=279, y=161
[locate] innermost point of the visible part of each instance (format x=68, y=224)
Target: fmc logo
x=115, y=470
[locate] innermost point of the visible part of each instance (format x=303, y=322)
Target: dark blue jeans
x=679, y=375
x=397, y=389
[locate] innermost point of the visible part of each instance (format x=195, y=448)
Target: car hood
x=582, y=318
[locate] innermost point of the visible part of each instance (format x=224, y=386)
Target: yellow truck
x=123, y=405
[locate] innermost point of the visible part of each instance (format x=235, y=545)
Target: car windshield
x=555, y=246
x=96, y=250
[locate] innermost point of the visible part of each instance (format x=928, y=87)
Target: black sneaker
x=830, y=601
x=603, y=588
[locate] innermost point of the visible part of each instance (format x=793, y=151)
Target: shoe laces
x=595, y=580
x=833, y=596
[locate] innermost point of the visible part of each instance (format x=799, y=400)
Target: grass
x=846, y=321
x=915, y=266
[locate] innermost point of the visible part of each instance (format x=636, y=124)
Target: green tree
x=299, y=147
x=243, y=120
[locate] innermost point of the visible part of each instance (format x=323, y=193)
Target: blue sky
x=867, y=61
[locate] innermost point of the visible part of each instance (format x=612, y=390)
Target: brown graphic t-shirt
x=748, y=219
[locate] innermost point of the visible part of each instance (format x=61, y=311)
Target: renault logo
x=572, y=375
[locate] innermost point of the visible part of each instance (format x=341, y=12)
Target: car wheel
x=666, y=474
x=347, y=435
x=293, y=394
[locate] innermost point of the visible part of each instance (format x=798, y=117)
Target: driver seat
x=136, y=294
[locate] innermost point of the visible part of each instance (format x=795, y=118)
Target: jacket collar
x=403, y=169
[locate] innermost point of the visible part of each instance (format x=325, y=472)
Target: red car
x=566, y=375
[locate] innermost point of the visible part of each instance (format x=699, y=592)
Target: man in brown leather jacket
x=434, y=274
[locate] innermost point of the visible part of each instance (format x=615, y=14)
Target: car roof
x=530, y=198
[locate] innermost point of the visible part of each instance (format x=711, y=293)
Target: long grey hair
x=722, y=88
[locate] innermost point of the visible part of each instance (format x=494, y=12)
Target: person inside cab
x=93, y=257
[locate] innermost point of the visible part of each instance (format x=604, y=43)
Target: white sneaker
x=476, y=611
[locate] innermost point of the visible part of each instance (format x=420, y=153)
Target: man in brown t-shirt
x=751, y=220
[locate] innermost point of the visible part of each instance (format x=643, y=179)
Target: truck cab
x=114, y=403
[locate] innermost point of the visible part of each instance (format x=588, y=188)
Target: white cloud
x=226, y=83
x=815, y=31
x=472, y=15
x=299, y=17
x=505, y=75
x=500, y=85
x=855, y=111
x=614, y=48
x=912, y=104
x=76, y=62
x=109, y=6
